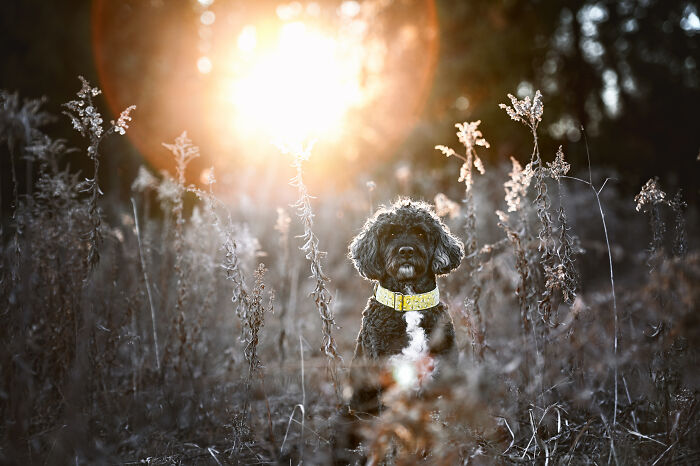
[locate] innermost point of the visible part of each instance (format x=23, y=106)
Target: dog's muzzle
x=407, y=302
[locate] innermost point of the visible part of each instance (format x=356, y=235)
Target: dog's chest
x=386, y=332
x=413, y=366
x=417, y=345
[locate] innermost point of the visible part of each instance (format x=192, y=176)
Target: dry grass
x=576, y=345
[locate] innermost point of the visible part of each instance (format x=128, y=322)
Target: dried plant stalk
x=148, y=283
x=282, y=227
x=184, y=152
x=565, y=272
x=524, y=289
x=471, y=137
x=650, y=199
x=255, y=321
x=680, y=243
x=320, y=294
x=616, y=330
x=231, y=262
x=87, y=120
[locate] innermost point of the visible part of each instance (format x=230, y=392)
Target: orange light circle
x=186, y=65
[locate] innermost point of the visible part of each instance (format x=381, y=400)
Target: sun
x=353, y=77
x=301, y=88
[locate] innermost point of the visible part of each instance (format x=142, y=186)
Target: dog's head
x=405, y=241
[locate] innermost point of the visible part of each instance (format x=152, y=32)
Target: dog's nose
x=405, y=251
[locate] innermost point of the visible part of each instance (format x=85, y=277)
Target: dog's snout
x=406, y=251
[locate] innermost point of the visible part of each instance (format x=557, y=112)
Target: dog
x=403, y=248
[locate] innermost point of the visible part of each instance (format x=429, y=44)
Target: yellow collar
x=408, y=302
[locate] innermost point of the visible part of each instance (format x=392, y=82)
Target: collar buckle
x=398, y=295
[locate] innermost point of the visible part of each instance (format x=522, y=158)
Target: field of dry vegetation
x=176, y=328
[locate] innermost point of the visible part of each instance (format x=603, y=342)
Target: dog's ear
x=364, y=252
x=449, y=252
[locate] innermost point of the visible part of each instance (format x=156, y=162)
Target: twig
x=613, y=453
x=328, y=442
x=612, y=276
x=646, y=437
x=534, y=434
x=18, y=228
x=512, y=436
x=612, y=287
x=629, y=400
x=604, y=183
x=303, y=400
x=578, y=437
x=665, y=451
x=289, y=423
x=267, y=406
x=300, y=406
x=212, y=451
x=301, y=356
x=148, y=283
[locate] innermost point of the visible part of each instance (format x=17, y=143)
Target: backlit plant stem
x=148, y=283
x=470, y=136
x=596, y=193
x=320, y=294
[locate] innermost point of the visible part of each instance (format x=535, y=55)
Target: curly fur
x=364, y=248
x=404, y=247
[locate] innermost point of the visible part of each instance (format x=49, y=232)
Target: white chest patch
x=417, y=343
x=413, y=366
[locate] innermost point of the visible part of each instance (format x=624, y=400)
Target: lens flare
x=248, y=39
x=405, y=375
x=204, y=65
x=351, y=75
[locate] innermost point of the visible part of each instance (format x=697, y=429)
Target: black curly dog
x=403, y=248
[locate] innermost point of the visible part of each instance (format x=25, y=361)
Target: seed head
x=650, y=195
x=525, y=111
x=559, y=167
x=445, y=206
x=122, y=122
x=516, y=186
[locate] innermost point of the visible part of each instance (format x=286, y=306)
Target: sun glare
x=298, y=89
x=352, y=76
x=248, y=39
